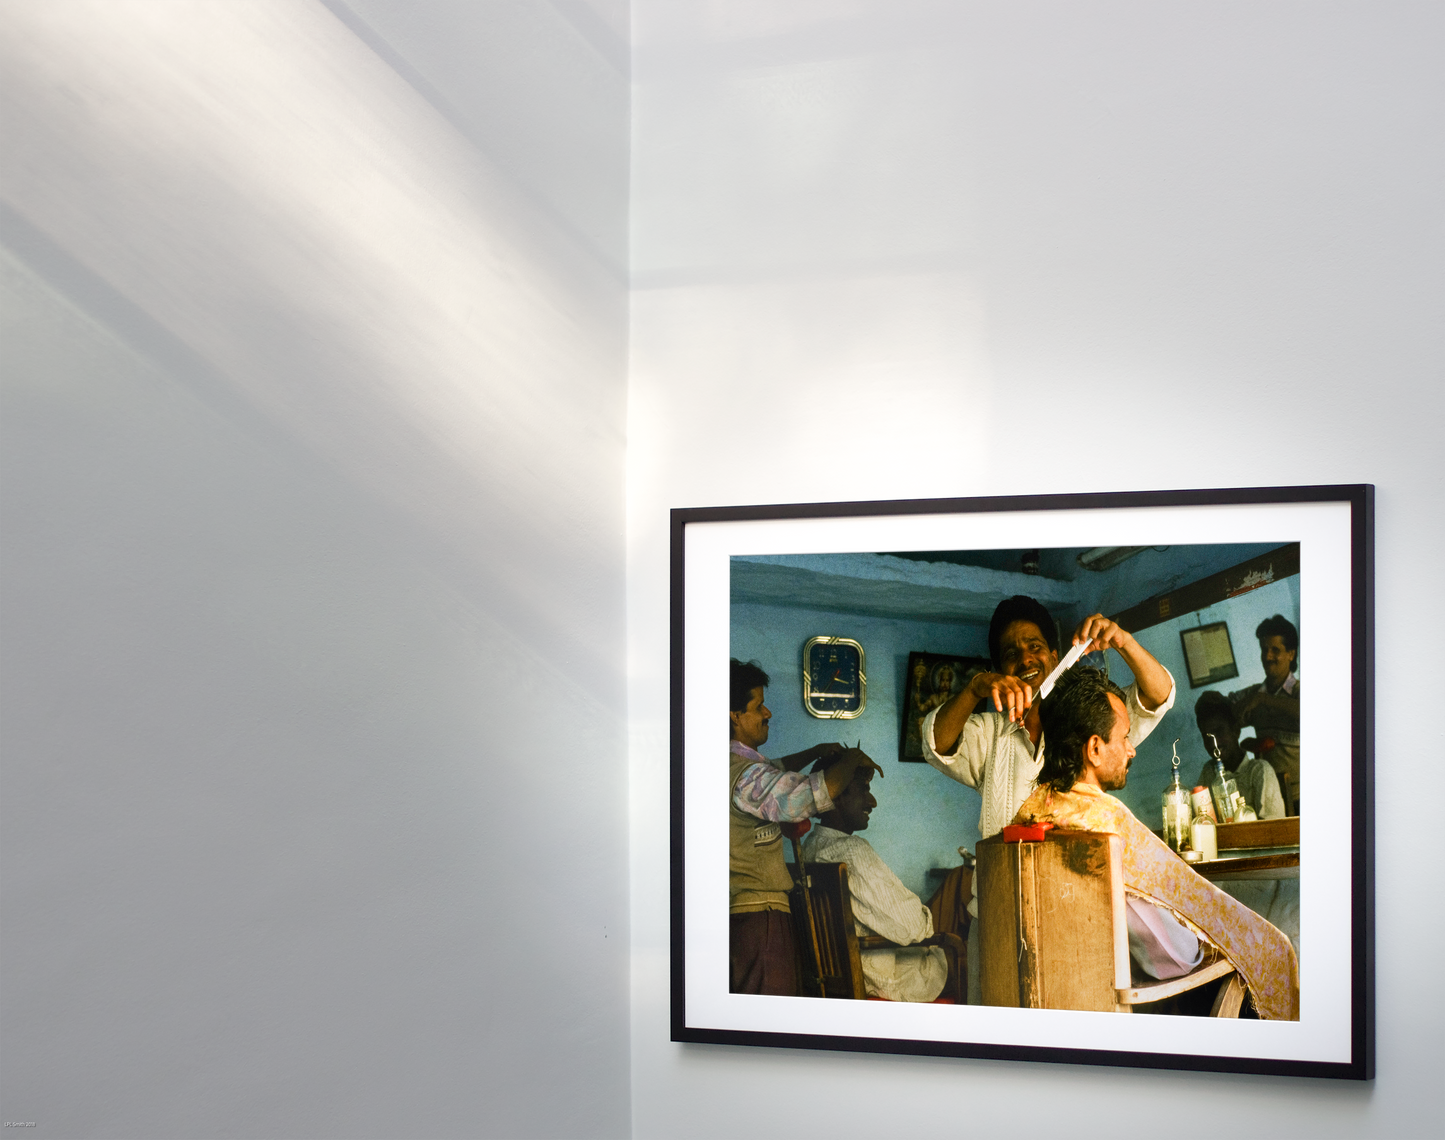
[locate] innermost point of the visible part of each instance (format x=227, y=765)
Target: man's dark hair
x=1076, y=710
x=1020, y=607
x=746, y=676
x=1212, y=705
x=1281, y=627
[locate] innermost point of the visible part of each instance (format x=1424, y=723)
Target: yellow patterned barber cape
x=1262, y=955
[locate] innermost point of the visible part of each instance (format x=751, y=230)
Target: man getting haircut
x=881, y=903
x=1078, y=710
x=1168, y=903
x=989, y=735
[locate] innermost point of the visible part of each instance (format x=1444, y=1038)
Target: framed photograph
x=933, y=678
x=1218, y=588
x=1209, y=654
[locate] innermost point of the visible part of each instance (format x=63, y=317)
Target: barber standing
x=989, y=736
x=764, y=793
x=1272, y=709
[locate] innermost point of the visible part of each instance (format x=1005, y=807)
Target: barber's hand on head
x=840, y=775
x=1105, y=634
x=800, y=760
x=1007, y=694
x=861, y=759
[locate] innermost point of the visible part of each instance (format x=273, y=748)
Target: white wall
x=313, y=429
x=313, y=504
x=1033, y=247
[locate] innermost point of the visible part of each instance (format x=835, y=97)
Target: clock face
x=834, y=684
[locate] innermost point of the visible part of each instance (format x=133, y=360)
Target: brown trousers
x=761, y=955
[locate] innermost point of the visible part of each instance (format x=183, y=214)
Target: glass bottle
x=1177, y=811
x=1222, y=788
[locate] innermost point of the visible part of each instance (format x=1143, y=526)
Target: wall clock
x=834, y=683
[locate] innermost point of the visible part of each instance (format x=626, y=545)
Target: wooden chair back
x=1048, y=938
x=1053, y=932
x=827, y=939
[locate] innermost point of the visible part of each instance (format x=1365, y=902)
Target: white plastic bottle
x=1203, y=836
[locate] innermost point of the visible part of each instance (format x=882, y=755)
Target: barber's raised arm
x=1151, y=678
x=800, y=760
x=1004, y=693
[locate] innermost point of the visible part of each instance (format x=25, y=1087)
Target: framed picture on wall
x=1209, y=654
x=1108, y=603
x=932, y=679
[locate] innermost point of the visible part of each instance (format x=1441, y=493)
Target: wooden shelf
x=1276, y=866
x=1260, y=833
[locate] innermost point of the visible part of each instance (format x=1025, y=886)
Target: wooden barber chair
x=830, y=963
x=827, y=940
x=1052, y=929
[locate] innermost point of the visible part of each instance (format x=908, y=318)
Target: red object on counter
x=1025, y=832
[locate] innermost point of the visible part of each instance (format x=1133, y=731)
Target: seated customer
x=1087, y=754
x=881, y=903
x=1257, y=781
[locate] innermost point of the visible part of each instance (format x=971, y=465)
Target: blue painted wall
x=1150, y=772
x=923, y=817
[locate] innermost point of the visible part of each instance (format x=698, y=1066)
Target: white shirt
x=995, y=756
x=883, y=905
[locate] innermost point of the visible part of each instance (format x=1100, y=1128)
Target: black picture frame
x=1334, y=526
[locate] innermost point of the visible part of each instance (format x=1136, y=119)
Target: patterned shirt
x=772, y=793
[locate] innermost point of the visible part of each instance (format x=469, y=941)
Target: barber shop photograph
x=1042, y=779
x=1056, y=731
